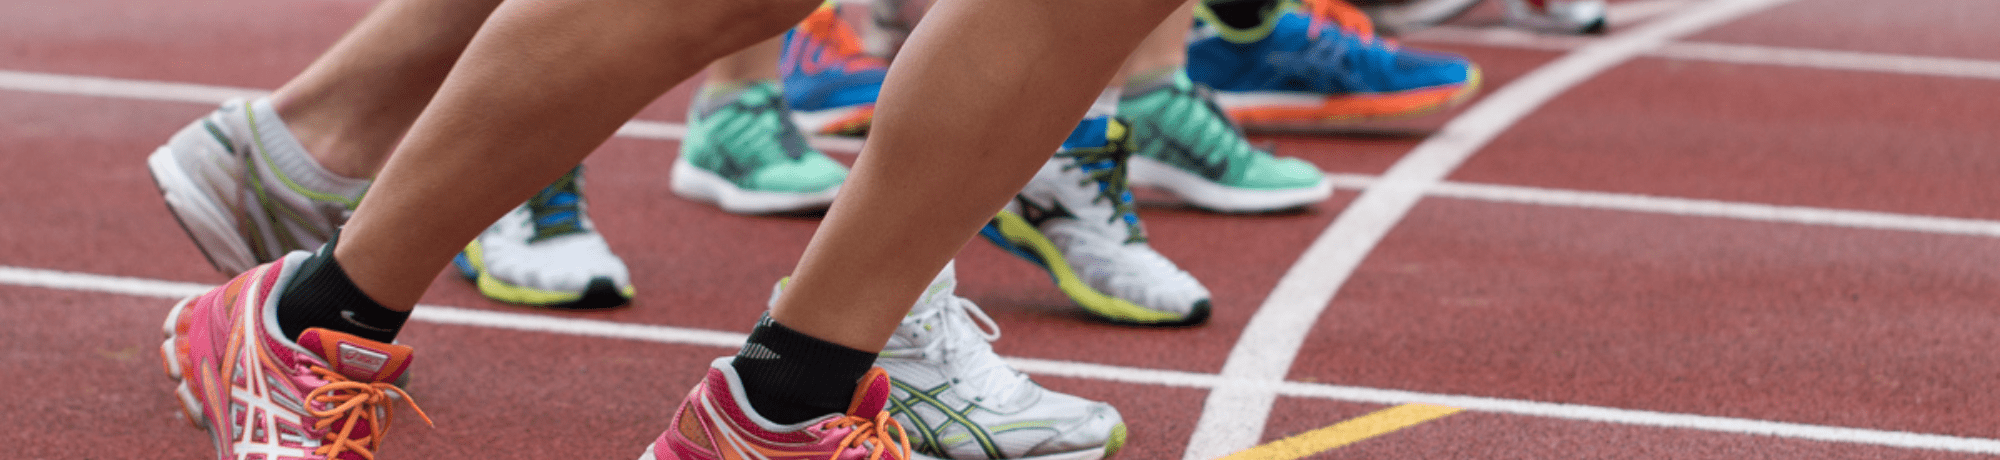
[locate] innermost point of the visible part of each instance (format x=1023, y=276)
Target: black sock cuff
x=791, y=377
x=1241, y=14
x=321, y=295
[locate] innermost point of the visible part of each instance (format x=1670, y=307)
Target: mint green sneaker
x=747, y=157
x=1188, y=147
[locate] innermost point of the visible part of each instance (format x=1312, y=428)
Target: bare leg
x=1164, y=50
x=976, y=102
x=489, y=140
x=758, y=62
x=352, y=104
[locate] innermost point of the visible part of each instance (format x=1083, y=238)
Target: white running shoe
x=222, y=181
x=1560, y=16
x=1075, y=219
x=546, y=252
x=959, y=401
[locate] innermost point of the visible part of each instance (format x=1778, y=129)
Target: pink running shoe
x=715, y=422
x=264, y=397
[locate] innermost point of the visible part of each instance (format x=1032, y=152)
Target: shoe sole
x=206, y=222
x=1014, y=234
x=1206, y=194
x=171, y=362
x=700, y=185
x=845, y=121
x=1253, y=108
x=600, y=293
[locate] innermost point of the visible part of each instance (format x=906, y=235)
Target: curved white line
x=1233, y=417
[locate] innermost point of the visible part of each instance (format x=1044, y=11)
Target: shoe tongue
x=941, y=291
x=871, y=395
x=357, y=358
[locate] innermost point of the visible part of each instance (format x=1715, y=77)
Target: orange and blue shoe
x=324, y=396
x=716, y=422
x=830, y=81
x=1322, y=62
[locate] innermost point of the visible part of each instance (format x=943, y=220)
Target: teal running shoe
x=747, y=157
x=1185, y=145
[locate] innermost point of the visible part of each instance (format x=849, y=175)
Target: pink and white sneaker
x=324, y=396
x=715, y=422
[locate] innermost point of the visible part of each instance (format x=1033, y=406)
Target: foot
x=830, y=81
x=960, y=401
x=716, y=422
x=1185, y=145
x=1321, y=62
x=747, y=157
x=1075, y=219
x=221, y=179
x=324, y=396
x=547, y=252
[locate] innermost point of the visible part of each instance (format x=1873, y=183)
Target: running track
x=1730, y=229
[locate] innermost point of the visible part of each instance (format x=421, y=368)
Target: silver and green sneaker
x=958, y=400
x=744, y=155
x=547, y=253
x=230, y=192
x=1184, y=144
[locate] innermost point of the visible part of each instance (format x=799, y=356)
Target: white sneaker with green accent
x=547, y=253
x=1075, y=219
x=223, y=178
x=958, y=400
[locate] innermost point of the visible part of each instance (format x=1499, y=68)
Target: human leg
x=258, y=178
x=556, y=68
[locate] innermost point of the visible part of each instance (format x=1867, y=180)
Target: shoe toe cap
x=812, y=173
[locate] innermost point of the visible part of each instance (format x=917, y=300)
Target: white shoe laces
x=963, y=340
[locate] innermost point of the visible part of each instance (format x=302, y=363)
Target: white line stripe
x=1233, y=417
x=1730, y=53
x=1833, y=60
x=436, y=314
x=206, y=94
x=1626, y=13
x=1697, y=208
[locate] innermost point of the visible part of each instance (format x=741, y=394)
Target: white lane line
x=436, y=314
x=1654, y=204
x=1627, y=13
x=1233, y=417
x=1932, y=66
x=1833, y=60
x=76, y=85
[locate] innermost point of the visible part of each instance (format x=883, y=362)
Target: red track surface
x=1802, y=323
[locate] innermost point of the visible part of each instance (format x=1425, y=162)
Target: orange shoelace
x=1342, y=13
x=348, y=402
x=874, y=434
x=842, y=40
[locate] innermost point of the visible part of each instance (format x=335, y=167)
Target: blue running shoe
x=830, y=81
x=1315, y=67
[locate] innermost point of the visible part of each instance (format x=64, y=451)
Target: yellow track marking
x=1367, y=426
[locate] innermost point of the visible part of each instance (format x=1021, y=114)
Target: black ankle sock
x=790, y=377
x=321, y=295
x=1241, y=14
